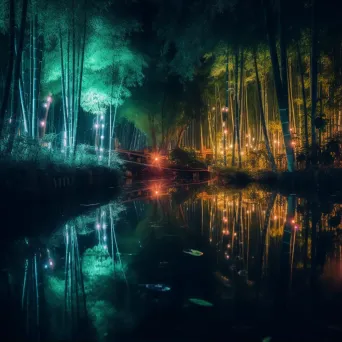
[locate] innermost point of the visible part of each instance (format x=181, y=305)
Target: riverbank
x=32, y=195
x=323, y=180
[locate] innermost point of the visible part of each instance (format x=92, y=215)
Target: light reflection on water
x=265, y=271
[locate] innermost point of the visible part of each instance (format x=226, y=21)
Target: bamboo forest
x=171, y=170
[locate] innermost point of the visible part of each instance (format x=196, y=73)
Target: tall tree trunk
x=280, y=85
x=305, y=110
x=180, y=136
x=34, y=125
x=236, y=93
x=21, y=92
x=73, y=94
x=314, y=56
x=262, y=115
x=80, y=82
x=225, y=113
x=201, y=135
x=8, y=82
x=14, y=125
x=64, y=99
x=240, y=103
x=116, y=106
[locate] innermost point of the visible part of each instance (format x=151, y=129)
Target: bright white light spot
x=98, y=226
x=96, y=126
x=102, y=125
x=51, y=263
x=45, y=266
x=104, y=238
x=49, y=99
x=102, y=117
x=101, y=149
x=42, y=123
x=105, y=247
x=45, y=105
x=156, y=158
x=102, y=136
x=104, y=226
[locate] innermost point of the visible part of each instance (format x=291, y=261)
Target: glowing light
x=105, y=247
x=228, y=245
x=45, y=266
x=45, y=105
x=292, y=221
x=293, y=143
x=225, y=131
x=156, y=158
x=246, y=145
x=96, y=126
x=213, y=108
x=156, y=192
x=104, y=238
x=231, y=146
x=223, y=124
x=98, y=226
x=102, y=125
x=296, y=226
x=49, y=99
x=104, y=226
x=51, y=263
x=253, y=139
x=102, y=117
x=102, y=137
x=234, y=234
x=42, y=123
x=275, y=217
x=225, y=220
x=227, y=256
x=101, y=149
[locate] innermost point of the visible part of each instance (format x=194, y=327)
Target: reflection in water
x=267, y=261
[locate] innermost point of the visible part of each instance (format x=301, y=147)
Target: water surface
x=131, y=270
